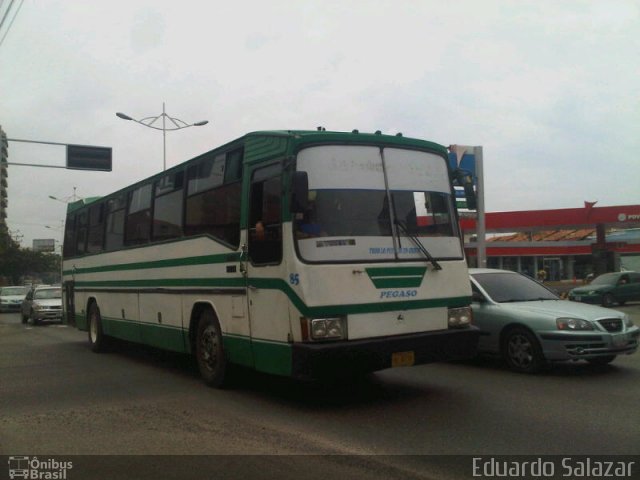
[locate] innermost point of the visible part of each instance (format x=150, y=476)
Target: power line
x=12, y=20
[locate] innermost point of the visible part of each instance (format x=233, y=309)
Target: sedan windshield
x=13, y=291
x=606, y=279
x=511, y=287
x=46, y=294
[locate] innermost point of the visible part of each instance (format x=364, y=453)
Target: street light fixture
x=149, y=121
x=69, y=199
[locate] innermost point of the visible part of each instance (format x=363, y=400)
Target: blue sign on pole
x=467, y=162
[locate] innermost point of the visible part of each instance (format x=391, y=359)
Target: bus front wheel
x=209, y=351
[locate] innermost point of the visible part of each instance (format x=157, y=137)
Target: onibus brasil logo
x=36, y=469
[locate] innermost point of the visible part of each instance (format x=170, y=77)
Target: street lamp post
x=149, y=121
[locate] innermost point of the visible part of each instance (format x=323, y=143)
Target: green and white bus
x=299, y=253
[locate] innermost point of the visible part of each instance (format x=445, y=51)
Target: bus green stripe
x=395, y=271
x=263, y=355
x=281, y=285
x=172, y=262
x=161, y=282
x=397, y=282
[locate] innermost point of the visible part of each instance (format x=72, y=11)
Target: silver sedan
x=530, y=326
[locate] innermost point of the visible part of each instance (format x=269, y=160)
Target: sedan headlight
x=572, y=324
x=627, y=321
x=460, y=317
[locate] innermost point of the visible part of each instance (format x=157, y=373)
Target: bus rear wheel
x=97, y=339
x=209, y=350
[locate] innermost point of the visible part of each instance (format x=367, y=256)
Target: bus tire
x=98, y=341
x=209, y=350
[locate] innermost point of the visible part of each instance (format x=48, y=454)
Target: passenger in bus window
x=259, y=231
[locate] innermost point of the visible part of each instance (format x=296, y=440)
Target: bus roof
x=355, y=136
x=298, y=138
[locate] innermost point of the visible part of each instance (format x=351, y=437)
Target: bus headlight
x=324, y=328
x=460, y=317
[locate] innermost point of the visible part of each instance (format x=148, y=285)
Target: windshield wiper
x=419, y=244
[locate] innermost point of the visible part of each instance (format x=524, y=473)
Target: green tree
x=16, y=263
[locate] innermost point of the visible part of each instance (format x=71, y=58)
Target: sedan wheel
x=608, y=300
x=522, y=351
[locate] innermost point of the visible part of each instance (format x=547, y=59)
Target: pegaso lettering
x=398, y=293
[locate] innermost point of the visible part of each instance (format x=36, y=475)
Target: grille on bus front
x=611, y=324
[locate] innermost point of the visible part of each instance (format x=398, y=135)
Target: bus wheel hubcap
x=209, y=347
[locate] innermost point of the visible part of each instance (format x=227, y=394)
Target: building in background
x=565, y=244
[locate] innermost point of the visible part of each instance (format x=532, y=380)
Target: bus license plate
x=403, y=359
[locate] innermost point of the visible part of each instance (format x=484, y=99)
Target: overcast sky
x=549, y=89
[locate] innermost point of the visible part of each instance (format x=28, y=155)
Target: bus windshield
x=372, y=204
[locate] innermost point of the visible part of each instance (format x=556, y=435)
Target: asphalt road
x=59, y=398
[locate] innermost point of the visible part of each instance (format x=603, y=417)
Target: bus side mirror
x=465, y=180
x=477, y=297
x=299, y=192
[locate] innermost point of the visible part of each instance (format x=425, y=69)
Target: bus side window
x=69, y=237
x=115, y=223
x=138, y=223
x=95, y=241
x=265, y=223
x=167, y=207
x=81, y=233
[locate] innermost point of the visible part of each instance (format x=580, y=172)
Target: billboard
x=88, y=157
x=44, y=245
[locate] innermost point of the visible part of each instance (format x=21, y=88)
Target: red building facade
x=565, y=243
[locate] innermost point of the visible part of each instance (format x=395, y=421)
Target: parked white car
x=42, y=304
x=11, y=298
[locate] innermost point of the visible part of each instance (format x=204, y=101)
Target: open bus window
x=265, y=229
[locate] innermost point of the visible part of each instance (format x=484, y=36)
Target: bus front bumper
x=352, y=357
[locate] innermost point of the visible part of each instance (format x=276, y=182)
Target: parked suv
x=42, y=304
